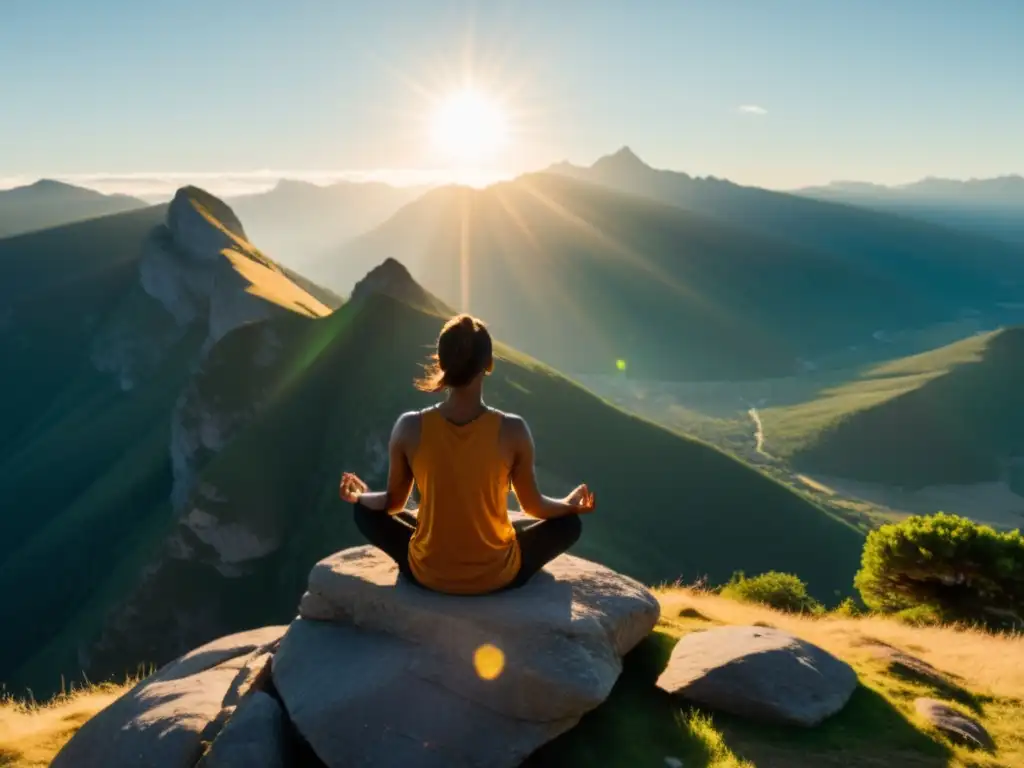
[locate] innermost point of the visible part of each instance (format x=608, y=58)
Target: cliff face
x=207, y=302
x=197, y=275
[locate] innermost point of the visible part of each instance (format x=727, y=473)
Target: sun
x=469, y=127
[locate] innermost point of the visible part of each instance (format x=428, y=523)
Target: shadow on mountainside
x=640, y=724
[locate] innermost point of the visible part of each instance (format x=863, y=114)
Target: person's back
x=464, y=457
x=464, y=542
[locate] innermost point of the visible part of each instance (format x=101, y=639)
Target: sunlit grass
x=32, y=733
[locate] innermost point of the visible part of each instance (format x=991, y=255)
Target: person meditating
x=463, y=457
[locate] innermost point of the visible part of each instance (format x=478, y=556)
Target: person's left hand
x=352, y=488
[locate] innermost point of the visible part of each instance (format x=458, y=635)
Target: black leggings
x=540, y=541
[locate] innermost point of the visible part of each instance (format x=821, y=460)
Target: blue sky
x=887, y=91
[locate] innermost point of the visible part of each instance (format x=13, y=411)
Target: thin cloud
x=751, y=109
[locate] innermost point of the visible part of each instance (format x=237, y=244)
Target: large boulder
x=561, y=637
x=380, y=672
x=164, y=721
x=761, y=673
x=255, y=737
x=357, y=699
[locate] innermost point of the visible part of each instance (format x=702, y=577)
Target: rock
x=954, y=724
x=254, y=737
x=561, y=636
x=164, y=720
x=357, y=699
x=201, y=224
x=762, y=673
x=902, y=664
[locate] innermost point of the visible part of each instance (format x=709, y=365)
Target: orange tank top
x=464, y=542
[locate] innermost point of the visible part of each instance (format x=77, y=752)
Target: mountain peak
x=52, y=187
x=190, y=203
x=623, y=159
x=391, y=278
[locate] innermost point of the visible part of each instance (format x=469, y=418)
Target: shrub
x=847, y=609
x=919, y=616
x=782, y=591
x=957, y=569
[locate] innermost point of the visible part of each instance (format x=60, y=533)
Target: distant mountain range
x=298, y=222
x=49, y=203
x=992, y=207
x=679, y=277
x=176, y=410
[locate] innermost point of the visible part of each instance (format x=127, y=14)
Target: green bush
x=919, y=616
x=847, y=609
x=953, y=567
x=782, y=591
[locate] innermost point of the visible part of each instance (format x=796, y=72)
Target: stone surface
x=357, y=699
x=562, y=635
x=957, y=726
x=761, y=673
x=255, y=737
x=163, y=721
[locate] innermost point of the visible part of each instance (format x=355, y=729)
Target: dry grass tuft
x=31, y=734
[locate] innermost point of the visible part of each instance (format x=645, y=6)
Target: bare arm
x=524, y=479
x=400, y=477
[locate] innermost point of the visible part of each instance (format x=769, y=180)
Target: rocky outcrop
x=761, y=673
x=185, y=266
x=488, y=680
x=562, y=637
x=357, y=699
x=387, y=674
x=164, y=721
x=954, y=724
x=254, y=737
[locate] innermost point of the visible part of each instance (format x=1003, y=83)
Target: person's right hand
x=581, y=500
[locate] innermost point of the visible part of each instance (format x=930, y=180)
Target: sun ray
x=535, y=286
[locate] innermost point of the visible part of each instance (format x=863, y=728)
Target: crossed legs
x=540, y=541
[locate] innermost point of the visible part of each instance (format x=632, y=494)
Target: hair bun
x=463, y=352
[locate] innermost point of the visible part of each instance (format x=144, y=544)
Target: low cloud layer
x=157, y=186
x=751, y=109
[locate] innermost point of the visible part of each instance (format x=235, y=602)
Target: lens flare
x=489, y=661
x=620, y=365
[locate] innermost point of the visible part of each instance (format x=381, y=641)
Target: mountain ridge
x=50, y=203
x=545, y=250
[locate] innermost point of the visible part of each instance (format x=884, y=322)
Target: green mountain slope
x=582, y=276
x=266, y=506
x=49, y=203
x=952, y=415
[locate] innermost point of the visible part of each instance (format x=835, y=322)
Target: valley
x=773, y=423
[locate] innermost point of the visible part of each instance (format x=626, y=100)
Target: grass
x=980, y=673
x=954, y=415
x=31, y=734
